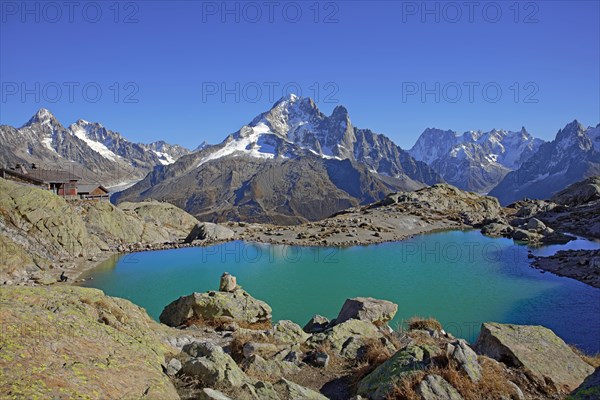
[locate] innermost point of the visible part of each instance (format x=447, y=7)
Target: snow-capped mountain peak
x=294, y=127
x=475, y=160
x=43, y=117
x=88, y=148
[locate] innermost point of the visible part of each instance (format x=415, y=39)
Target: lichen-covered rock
x=173, y=367
x=466, y=359
x=259, y=391
x=42, y=225
x=265, y=350
x=434, y=387
x=165, y=215
x=289, y=390
x=367, y=309
x=348, y=337
x=258, y=366
x=212, y=366
x=212, y=305
x=544, y=355
x=286, y=331
x=211, y=394
x=380, y=383
x=72, y=342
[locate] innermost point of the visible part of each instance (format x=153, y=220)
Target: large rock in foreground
x=66, y=342
x=216, y=306
x=545, y=356
x=367, y=309
x=380, y=383
x=212, y=366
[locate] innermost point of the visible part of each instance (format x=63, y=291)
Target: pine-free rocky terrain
x=63, y=341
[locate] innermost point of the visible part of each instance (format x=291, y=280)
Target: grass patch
x=591, y=359
x=424, y=323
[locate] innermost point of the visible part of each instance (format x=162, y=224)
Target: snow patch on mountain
x=251, y=141
x=164, y=158
x=98, y=147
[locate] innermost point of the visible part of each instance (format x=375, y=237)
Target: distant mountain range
x=474, y=161
x=289, y=164
x=571, y=157
x=87, y=149
x=293, y=163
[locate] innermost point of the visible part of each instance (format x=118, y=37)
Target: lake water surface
x=462, y=278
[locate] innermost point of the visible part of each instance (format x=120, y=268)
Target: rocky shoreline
x=583, y=265
x=222, y=345
x=103, y=230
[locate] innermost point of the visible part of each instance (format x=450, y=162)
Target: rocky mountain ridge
x=87, y=149
x=571, y=157
x=288, y=165
x=475, y=161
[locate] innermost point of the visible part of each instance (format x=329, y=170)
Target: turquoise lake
x=462, y=278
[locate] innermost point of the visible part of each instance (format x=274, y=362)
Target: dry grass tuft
x=219, y=323
x=236, y=346
x=373, y=354
x=592, y=359
x=424, y=323
x=406, y=390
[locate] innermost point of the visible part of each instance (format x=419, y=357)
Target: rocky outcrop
x=465, y=358
x=544, y=356
x=209, y=231
x=470, y=208
x=368, y=309
x=44, y=231
x=583, y=265
x=215, y=307
x=109, y=348
x=72, y=342
x=579, y=193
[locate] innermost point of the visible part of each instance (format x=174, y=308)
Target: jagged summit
x=93, y=152
x=44, y=117
x=573, y=155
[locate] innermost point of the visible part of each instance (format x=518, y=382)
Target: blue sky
x=161, y=67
